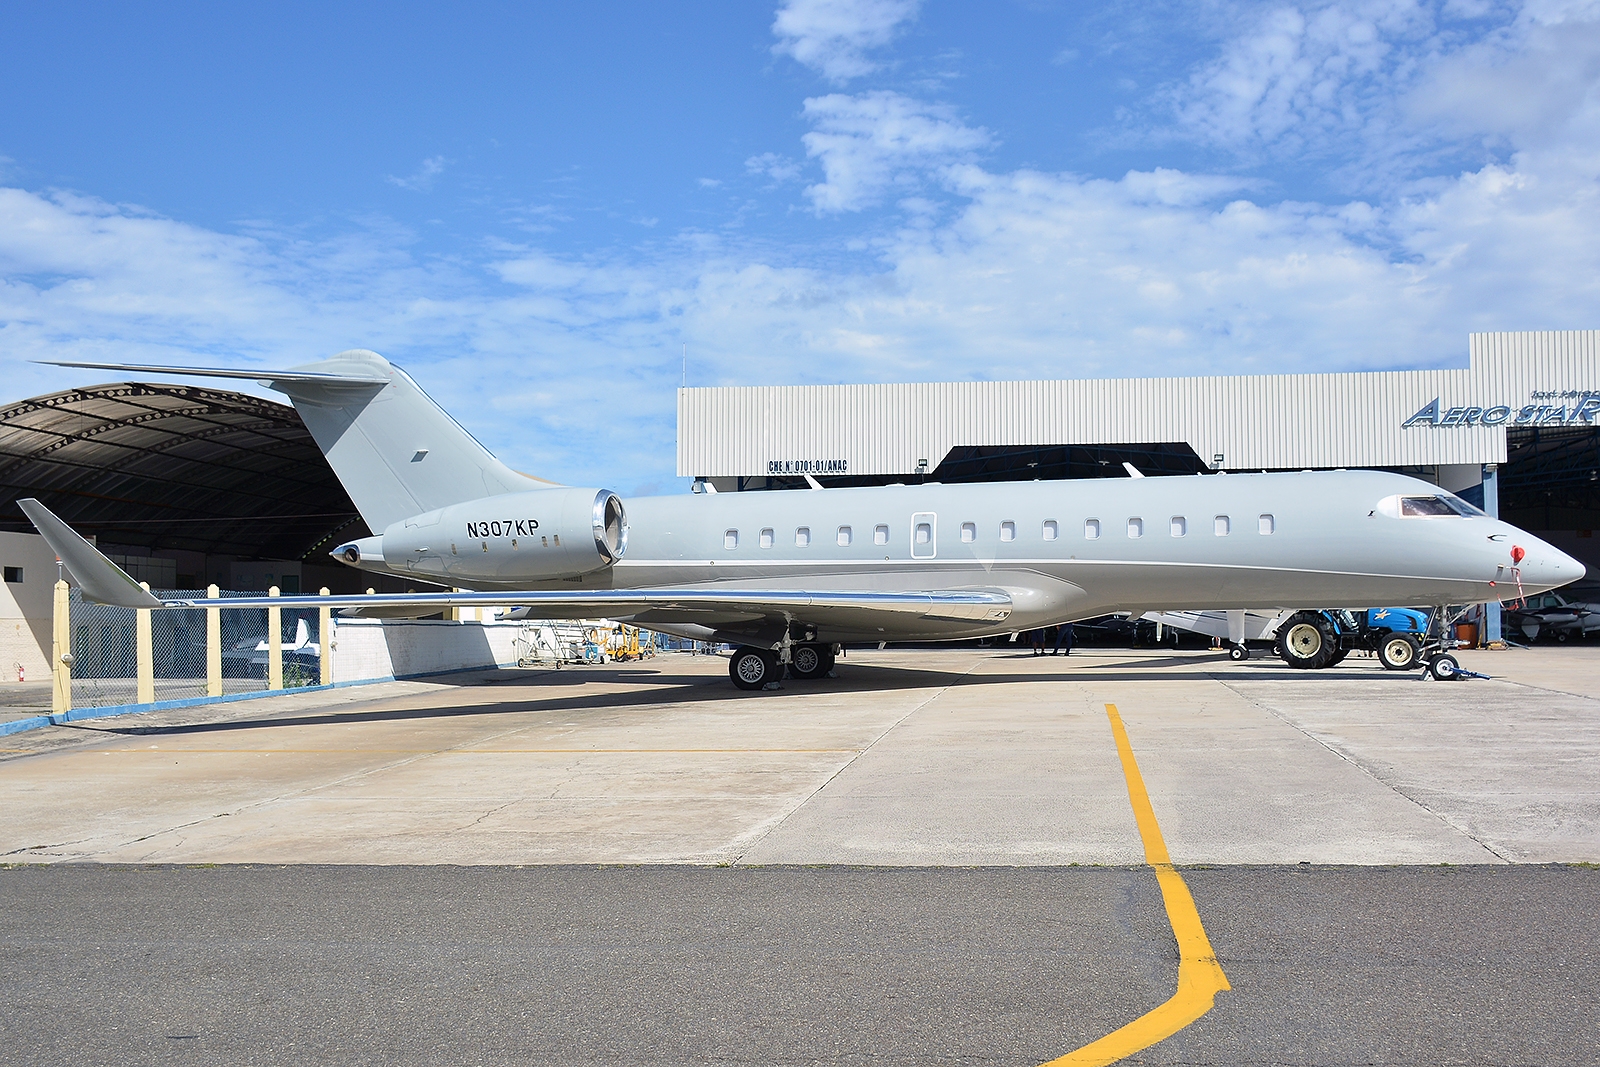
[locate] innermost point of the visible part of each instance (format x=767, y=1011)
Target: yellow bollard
x=325, y=639
x=213, y=645
x=274, y=644
x=144, y=654
x=61, y=651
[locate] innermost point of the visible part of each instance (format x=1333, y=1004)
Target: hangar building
x=1516, y=431
x=182, y=485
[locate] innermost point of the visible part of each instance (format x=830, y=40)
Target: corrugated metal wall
x=1256, y=421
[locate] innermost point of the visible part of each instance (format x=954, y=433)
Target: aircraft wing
x=103, y=581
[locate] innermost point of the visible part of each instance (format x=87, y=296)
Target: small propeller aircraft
x=789, y=577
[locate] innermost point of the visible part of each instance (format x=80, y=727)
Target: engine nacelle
x=516, y=537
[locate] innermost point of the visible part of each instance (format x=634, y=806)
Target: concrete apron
x=910, y=758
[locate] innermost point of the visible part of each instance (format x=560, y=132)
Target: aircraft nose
x=1543, y=565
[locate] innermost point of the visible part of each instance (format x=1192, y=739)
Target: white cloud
x=779, y=168
x=1532, y=85
x=422, y=180
x=1307, y=78
x=833, y=36
x=873, y=142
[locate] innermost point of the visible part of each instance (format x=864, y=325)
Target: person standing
x=1063, y=640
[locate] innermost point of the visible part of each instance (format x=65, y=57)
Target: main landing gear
x=757, y=668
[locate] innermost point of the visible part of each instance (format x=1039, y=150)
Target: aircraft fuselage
x=1061, y=549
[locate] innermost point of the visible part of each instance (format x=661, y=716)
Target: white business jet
x=789, y=577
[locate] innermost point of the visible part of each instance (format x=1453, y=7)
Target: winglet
x=100, y=579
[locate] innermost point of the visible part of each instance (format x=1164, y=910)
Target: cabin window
x=802, y=537
x=767, y=537
x=924, y=533
x=14, y=575
x=1051, y=530
x=1091, y=529
x=1266, y=524
x=730, y=539
x=844, y=536
x=1221, y=526
x=880, y=534
x=1135, y=527
x=1180, y=526
x=1008, y=531
x=969, y=532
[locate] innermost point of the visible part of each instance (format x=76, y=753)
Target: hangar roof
x=176, y=467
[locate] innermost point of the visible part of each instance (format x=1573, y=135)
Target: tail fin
x=396, y=452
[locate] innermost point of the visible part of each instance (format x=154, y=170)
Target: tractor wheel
x=1397, y=652
x=1308, y=641
x=753, y=668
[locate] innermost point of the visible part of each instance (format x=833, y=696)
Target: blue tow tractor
x=1403, y=639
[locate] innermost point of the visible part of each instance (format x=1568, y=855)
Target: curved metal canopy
x=175, y=467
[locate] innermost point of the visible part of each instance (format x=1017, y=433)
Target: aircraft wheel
x=1561, y=637
x=1238, y=653
x=1308, y=641
x=1398, y=652
x=1444, y=668
x=809, y=661
x=752, y=668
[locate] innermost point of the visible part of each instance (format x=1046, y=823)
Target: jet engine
x=516, y=538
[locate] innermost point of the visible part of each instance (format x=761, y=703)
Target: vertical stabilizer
x=396, y=452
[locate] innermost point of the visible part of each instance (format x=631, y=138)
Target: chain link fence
x=105, y=649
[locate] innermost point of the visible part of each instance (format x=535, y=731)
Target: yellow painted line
x=1200, y=976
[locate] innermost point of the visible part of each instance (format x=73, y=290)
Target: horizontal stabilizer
x=308, y=377
x=99, y=578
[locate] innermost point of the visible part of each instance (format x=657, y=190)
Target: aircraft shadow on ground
x=665, y=688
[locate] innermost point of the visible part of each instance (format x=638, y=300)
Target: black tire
x=1397, y=652
x=1444, y=668
x=809, y=661
x=1308, y=641
x=752, y=668
x=1338, y=656
x=1238, y=653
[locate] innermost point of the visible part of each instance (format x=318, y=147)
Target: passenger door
x=924, y=535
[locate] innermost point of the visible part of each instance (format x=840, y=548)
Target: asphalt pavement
x=787, y=965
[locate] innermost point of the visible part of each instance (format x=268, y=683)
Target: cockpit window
x=1412, y=506
x=1445, y=504
x=1440, y=505
x=1462, y=507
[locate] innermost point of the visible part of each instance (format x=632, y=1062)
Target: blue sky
x=536, y=208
